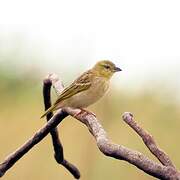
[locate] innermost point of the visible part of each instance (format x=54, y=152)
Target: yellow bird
x=86, y=89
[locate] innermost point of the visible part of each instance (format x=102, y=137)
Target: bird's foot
x=83, y=111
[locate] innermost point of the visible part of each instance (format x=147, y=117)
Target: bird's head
x=106, y=68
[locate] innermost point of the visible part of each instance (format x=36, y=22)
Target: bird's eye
x=107, y=67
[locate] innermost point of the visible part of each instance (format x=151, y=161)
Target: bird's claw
x=84, y=111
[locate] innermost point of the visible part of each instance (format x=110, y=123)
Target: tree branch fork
x=165, y=169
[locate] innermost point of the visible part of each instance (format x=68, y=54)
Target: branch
x=36, y=138
x=165, y=170
x=58, y=148
x=148, y=140
x=50, y=126
x=120, y=152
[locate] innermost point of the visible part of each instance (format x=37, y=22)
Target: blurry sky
x=142, y=37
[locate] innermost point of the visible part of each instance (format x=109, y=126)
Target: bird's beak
x=117, y=69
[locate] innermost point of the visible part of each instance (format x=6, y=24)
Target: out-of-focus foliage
x=21, y=106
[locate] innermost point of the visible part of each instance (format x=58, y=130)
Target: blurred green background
x=67, y=37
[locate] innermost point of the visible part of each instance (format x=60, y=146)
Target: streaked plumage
x=86, y=89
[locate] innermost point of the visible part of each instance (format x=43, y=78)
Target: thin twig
x=104, y=144
x=120, y=152
x=148, y=140
x=11, y=159
x=58, y=148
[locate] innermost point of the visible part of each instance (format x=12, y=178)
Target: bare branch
x=148, y=140
x=166, y=170
x=11, y=159
x=58, y=148
x=56, y=83
x=120, y=152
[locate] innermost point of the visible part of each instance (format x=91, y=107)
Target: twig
x=58, y=148
x=36, y=138
x=148, y=140
x=104, y=144
x=120, y=152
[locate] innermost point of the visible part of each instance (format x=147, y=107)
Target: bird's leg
x=83, y=111
x=89, y=112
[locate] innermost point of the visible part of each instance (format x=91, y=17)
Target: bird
x=86, y=89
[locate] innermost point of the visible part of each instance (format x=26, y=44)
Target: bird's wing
x=79, y=85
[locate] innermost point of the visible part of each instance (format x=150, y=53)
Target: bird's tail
x=51, y=109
